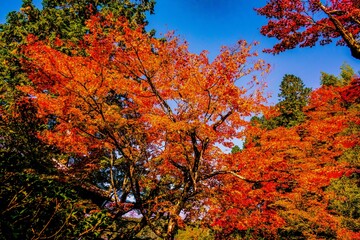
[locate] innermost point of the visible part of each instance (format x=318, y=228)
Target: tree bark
x=345, y=34
x=171, y=229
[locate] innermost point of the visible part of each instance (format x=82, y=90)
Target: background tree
x=346, y=76
x=327, y=79
x=62, y=19
x=305, y=23
x=293, y=97
x=331, y=107
x=288, y=112
x=67, y=21
x=345, y=191
x=235, y=149
x=305, y=170
x=26, y=161
x=46, y=207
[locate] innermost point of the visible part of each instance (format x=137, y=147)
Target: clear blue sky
x=210, y=24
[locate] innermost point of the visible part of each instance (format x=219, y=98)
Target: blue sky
x=210, y=24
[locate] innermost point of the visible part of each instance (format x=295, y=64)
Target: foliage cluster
x=298, y=23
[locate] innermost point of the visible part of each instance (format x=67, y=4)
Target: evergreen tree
x=235, y=149
x=293, y=97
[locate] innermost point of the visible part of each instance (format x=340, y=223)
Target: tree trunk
x=349, y=39
x=171, y=228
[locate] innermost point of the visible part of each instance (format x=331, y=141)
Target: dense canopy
x=107, y=132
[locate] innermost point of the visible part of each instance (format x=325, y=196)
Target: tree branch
x=233, y=172
x=345, y=34
x=222, y=119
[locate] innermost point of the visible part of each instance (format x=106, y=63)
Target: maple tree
x=304, y=23
x=18, y=121
x=298, y=177
x=157, y=112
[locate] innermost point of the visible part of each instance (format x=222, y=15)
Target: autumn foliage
x=294, y=166
x=149, y=124
x=305, y=23
x=160, y=111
